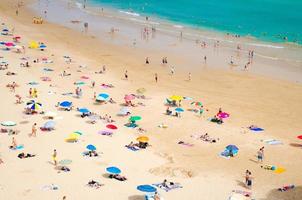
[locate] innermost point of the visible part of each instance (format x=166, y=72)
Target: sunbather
x=94, y=184
x=118, y=177
x=27, y=155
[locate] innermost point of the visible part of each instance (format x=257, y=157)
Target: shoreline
x=285, y=67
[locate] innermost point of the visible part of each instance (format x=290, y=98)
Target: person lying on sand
x=65, y=74
x=4, y=67
x=62, y=168
x=90, y=153
x=99, y=72
x=25, y=155
x=11, y=73
x=94, y=184
x=118, y=177
x=167, y=184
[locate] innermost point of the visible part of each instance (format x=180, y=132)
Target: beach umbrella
x=73, y=136
x=111, y=126
x=78, y=132
x=135, y=118
x=141, y=90
x=34, y=105
x=79, y=83
x=299, y=137
x=129, y=97
x=232, y=147
x=84, y=77
x=17, y=37
x=65, y=104
x=8, y=123
x=49, y=125
x=9, y=44
x=105, y=132
x=179, y=110
x=33, y=45
x=83, y=110
x=146, y=188
x=42, y=46
x=113, y=170
x=91, y=147
x=5, y=30
x=223, y=115
x=102, y=97
x=176, y=97
x=142, y=139
x=196, y=103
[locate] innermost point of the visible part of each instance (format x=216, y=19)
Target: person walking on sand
x=34, y=130
x=14, y=143
x=126, y=75
x=260, y=154
x=92, y=84
x=205, y=59
x=172, y=70
x=30, y=92
x=147, y=61
x=189, y=76
x=54, y=157
x=104, y=68
x=249, y=178
x=156, y=77
x=94, y=95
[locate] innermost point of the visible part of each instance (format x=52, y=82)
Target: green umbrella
x=135, y=118
x=196, y=103
x=8, y=123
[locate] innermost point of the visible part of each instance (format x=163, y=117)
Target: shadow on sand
x=293, y=194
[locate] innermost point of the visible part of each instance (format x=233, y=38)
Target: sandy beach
x=267, y=96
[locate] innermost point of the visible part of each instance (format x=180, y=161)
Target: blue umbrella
x=5, y=30
x=42, y=46
x=102, y=97
x=179, y=110
x=232, y=147
x=146, y=188
x=91, y=147
x=49, y=124
x=84, y=110
x=113, y=170
x=66, y=104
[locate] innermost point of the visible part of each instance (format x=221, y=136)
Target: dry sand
x=272, y=104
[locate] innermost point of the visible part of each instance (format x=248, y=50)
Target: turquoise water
x=270, y=20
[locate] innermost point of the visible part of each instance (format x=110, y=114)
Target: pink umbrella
x=111, y=126
x=9, y=44
x=223, y=115
x=129, y=97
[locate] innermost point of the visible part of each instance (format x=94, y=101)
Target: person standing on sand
x=156, y=77
x=64, y=198
x=34, y=130
x=260, y=154
x=14, y=143
x=189, y=76
x=249, y=178
x=126, y=75
x=172, y=70
x=30, y=92
x=92, y=84
x=205, y=59
x=147, y=61
x=104, y=68
x=54, y=157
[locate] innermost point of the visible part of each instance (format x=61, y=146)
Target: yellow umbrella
x=176, y=97
x=142, y=139
x=33, y=45
x=280, y=170
x=73, y=135
x=71, y=139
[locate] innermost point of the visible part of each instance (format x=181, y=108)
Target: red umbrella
x=299, y=137
x=111, y=126
x=17, y=37
x=129, y=97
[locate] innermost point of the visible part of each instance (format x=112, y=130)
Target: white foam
x=129, y=13
x=177, y=26
x=265, y=45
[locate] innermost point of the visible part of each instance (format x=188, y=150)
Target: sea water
x=270, y=20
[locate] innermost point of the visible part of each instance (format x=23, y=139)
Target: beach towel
x=32, y=83
x=185, y=144
x=273, y=142
x=67, y=94
x=225, y=154
x=244, y=193
x=279, y=170
x=50, y=187
x=286, y=188
x=19, y=147
x=256, y=129
x=132, y=148
x=106, y=133
x=48, y=70
x=167, y=189
x=131, y=125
